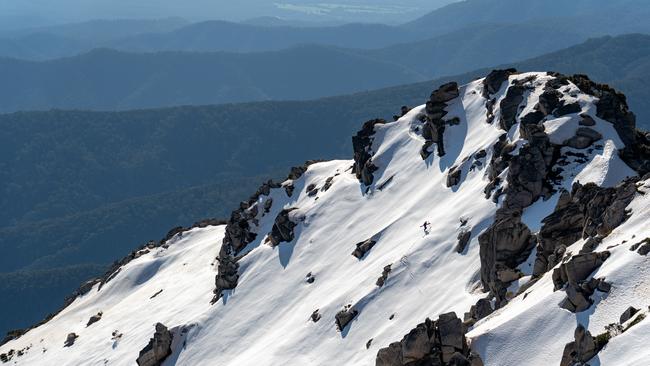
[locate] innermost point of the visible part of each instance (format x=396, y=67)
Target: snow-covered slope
x=335, y=263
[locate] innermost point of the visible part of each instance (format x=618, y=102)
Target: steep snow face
x=284, y=307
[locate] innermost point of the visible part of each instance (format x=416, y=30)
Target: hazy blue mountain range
x=113, y=80
x=580, y=19
x=60, y=221
x=44, y=12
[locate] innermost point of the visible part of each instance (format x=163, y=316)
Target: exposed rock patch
x=581, y=350
x=364, y=247
x=572, y=276
x=480, y=310
x=158, y=349
x=440, y=342
x=362, y=145
x=453, y=177
x=493, y=81
x=587, y=211
x=345, y=316
x=628, y=314
x=282, y=228
x=94, y=319
x=315, y=316
x=70, y=339
x=463, y=240
x=642, y=247
x=434, y=125
x=384, y=275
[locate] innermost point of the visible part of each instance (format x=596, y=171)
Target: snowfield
x=267, y=319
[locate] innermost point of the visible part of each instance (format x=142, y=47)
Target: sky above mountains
x=19, y=14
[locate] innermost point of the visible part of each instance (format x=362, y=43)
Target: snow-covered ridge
x=509, y=211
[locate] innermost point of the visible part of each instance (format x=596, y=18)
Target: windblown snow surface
x=266, y=319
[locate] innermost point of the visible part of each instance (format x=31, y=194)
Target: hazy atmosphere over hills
x=516, y=197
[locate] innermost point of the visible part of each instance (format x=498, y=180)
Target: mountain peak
x=511, y=202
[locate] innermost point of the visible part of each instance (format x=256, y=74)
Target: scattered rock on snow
x=158, y=348
x=70, y=339
x=94, y=319
x=453, y=177
x=581, y=350
x=384, y=275
x=315, y=316
x=282, y=228
x=345, y=316
x=463, y=240
x=628, y=314
x=363, y=247
x=362, y=146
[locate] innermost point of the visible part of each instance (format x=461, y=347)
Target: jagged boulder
x=493, y=81
x=94, y=319
x=463, y=240
x=283, y=227
x=158, y=348
x=453, y=177
x=510, y=106
x=480, y=310
x=587, y=211
x=581, y=350
x=642, y=247
x=628, y=314
x=584, y=138
x=384, y=275
x=227, y=275
x=70, y=339
x=345, y=316
x=503, y=246
x=572, y=275
x=363, y=247
x=315, y=316
x=445, y=93
x=434, y=127
x=440, y=343
x=363, y=167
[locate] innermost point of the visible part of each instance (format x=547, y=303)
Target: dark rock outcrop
x=453, y=177
x=362, y=146
x=581, y=350
x=503, y=246
x=283, y=227
x=463, y=240
x=587, y=211
x=642, y=247
x=384, y=275
x=480, y=310
x=158, y=349
x=364, y=247
x=434, y=125
x=572, y=276
x=510, y=106
x=70, y=339
x=493, y=81
x=439, y=343
x=508, y=242
x=628, y=314
x=584, y=138
x=315, y=316
x=567, y=109
x=94, y=319
x=345, y=316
